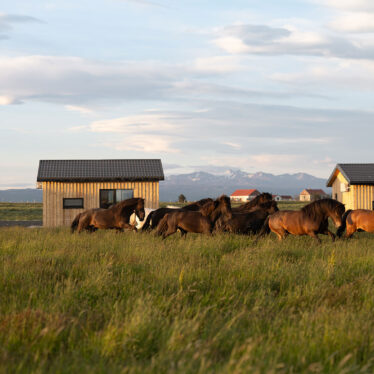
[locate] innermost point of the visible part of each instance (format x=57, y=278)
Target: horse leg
x=329, y=233
x=183, y=232
x=84, y=224
x=124, y=225
x=315, y=236
x=350, y=231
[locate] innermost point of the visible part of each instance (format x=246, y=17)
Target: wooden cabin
x=353, y=185
x=72, y=186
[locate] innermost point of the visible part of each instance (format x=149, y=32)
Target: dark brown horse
x=115, y=217
x=249, y=223
x=253, y=204
x=156, y=216
x=356, y=220
x=310, y=220
x=198, y=222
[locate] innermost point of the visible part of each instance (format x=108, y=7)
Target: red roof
x=245, y=192
x=313, y=192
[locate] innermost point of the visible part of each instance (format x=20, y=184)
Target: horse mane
x=268, y=204
x=265, y=196
x=318, y=208
x=197, y=204
x=208, y=208
x=126, y=203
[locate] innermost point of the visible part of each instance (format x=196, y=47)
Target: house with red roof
x=312, y=194
x=244, y=195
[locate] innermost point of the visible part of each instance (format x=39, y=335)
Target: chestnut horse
x=198, y=222
x=245, y=223
x=115, y=217
x=156, y=216
x=311, y=220
x=356, y=220
x=253, y=204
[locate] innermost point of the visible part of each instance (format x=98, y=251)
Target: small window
x=73, y=203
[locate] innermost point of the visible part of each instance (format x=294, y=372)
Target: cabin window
x=110, y=197
x=72, y=203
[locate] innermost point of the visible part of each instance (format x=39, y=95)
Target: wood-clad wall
x=54, y=192
x=358, y=196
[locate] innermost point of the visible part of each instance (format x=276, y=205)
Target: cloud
x=8, y=20
x=265, y=40
x=81, y=109
x=79, y=82
x=350, y=75
x=354, y=5
x=356, y=22
x=144, y=144
x=352, y=16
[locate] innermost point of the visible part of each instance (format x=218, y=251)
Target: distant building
x=244, y=195
x=353, y=185
x=312, y=194
x=282, y=198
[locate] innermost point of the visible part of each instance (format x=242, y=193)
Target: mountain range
x=202, y=184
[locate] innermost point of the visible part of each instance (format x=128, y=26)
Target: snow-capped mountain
x=202, y=184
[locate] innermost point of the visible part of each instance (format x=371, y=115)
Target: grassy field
x=131, y=303
x=21, y=211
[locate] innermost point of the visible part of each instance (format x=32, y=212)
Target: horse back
x=362, y=219
x=293, y=221
x=191, y=221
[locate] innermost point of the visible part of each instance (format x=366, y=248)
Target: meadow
x=132, y=303
x=21, y=211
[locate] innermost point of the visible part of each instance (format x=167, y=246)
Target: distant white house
x=282, y=198
x=244, y=195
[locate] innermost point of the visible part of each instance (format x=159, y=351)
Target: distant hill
x=22, y=195
x=202, y=184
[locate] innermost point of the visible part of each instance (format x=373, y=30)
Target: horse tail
x=147, y=222
x=75, y=222
x=265, y=229
x=342, y=227
x=163, y=225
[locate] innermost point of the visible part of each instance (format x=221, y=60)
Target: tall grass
x=131, y=303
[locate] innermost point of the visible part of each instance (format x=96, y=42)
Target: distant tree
x=182, y=198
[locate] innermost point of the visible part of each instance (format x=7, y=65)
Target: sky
x=260, y=85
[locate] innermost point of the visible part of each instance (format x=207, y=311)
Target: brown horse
x=356, y=220
x=198, y=222
x=310, y=220
x=115, y=217
x=246, y=223
x=253, y=204
x=156, y=216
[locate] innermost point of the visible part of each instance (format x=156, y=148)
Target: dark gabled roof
x=312, y=191
x=354, y=173
x=99, y=170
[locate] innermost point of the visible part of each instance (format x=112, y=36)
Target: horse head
x=139, y=209
x=222, y=207
x=269, y=207
x=337, y=212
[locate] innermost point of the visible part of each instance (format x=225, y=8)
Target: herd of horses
x=259, y=216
